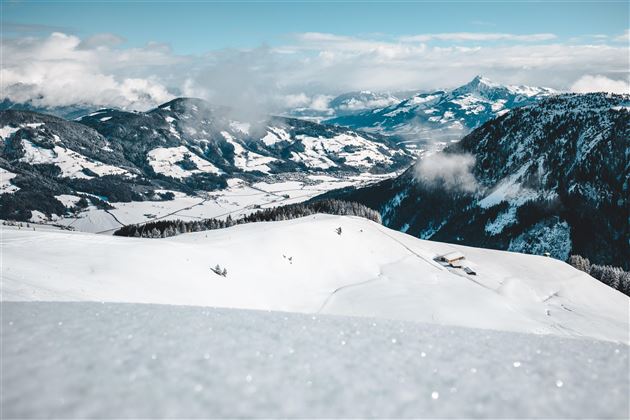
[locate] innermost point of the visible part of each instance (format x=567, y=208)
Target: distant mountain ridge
x=550, y=177
x=444, y=116
x=349, y=103
x=68, y=112
x=183, y=145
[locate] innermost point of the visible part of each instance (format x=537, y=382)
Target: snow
x=275, y=135
x=248, y=161
x=498, y=105
x=68, y=200
x=164, y=160
x=357, y=151
x=37, y=216
x=6, y=187
x=243, y=127
x=70, y=162
x=546, y=236
x=510, y=189
x=503, y=220
x=7, y=131
x=369, y=270
x=94, y=360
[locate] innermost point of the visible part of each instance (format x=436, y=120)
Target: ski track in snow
x=94, y=360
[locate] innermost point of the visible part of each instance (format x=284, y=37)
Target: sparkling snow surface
x=92, y=360
x=303, y=265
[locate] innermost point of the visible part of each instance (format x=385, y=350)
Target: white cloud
x=320, y=102
x=64, y=69
x=598, y=83
x=625, y=37
x=101, y=40
x=478, y=36
x=448, y=171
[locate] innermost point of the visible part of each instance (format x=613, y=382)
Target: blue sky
x=136, y=54
x=195, y=27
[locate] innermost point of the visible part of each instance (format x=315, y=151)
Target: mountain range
x=551, y=177
x=184, y=145
x=349, y=103
x=541, y=172
x=438, y=117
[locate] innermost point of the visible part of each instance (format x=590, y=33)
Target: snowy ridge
x=306, y=265
x=441, y=116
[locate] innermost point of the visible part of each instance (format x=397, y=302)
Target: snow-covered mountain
x=442, y=116
x=184, y=145
x=349, y=103
x=319, y=264
x=549, y=177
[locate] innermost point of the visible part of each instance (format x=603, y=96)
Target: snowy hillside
x=95, y=360
x=308, y=265
x=436, y=118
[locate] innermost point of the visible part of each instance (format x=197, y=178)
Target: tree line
x=614, y=277
x=167, y=228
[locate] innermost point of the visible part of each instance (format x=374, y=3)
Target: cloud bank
x=448, y=171
x=63, y=70
x=310, y=68
x=598, y=83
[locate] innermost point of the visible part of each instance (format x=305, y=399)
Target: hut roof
x=452, y=256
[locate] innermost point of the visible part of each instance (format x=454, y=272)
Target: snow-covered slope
x=304, y=265
x=435, y=118
x=95, y=360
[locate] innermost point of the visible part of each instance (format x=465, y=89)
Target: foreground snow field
x=92, y=360
x=304, y=265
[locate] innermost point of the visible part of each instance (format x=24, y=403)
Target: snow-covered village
x=354, y=209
